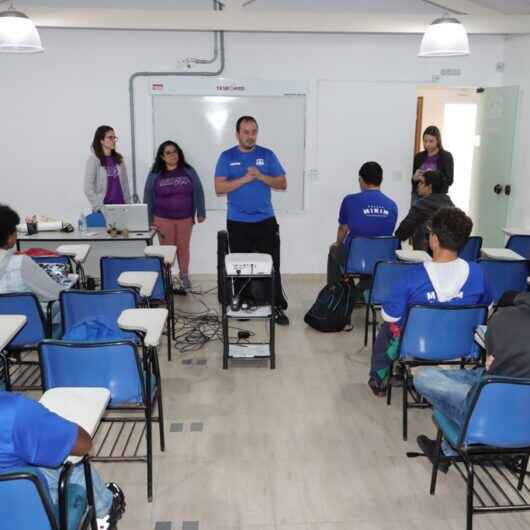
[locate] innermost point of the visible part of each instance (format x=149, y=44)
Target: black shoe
x=179, y=291
x=378, y=388
x=117, y=508
x=280, y=317
x=428, y=448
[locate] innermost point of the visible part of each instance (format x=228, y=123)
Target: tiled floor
x=304, y=447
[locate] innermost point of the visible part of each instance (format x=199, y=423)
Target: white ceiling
x=407, y=7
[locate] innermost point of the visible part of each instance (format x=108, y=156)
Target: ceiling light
x=18, y=33
x=445, y=37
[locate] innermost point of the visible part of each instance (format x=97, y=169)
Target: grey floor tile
x=163, y=525
x=196, y=426
x=176, y=427
x=190, y=525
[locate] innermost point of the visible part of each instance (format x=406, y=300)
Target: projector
x=248, y=264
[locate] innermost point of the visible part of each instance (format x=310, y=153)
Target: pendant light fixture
x=445, y=37
x=18, y=33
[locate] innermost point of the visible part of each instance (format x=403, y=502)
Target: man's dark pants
x=262, y=237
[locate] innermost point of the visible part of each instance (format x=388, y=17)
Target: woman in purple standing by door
x=106, y=179
x=433, y=157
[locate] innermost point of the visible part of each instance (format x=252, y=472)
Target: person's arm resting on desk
x=38, y=281
x=42, y=438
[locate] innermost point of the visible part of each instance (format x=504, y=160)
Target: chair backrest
x=25, y=502
x=519, y=244
x=502, y=276
x=95, y=220
x=386, y=275
x=114, y=365
x=471, y=250
x=365, y=252
x=26, y=304
x=499, y=413
x=77, y=306
x=112, y=267
x=441, y=332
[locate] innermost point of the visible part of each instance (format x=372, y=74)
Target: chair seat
x=121, y=401
x=450, y=429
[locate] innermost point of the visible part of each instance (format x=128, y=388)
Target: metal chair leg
x=405, y=404
x=366, y=324
x=148, y=429
x=436, y=463
x=90, y=493
x=470, y=492
x=524, y=466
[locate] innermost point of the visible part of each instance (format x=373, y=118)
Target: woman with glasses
x=175, y=198
x=105, y=175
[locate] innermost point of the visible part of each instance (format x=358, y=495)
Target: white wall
x=517, y=72
x=50, y=105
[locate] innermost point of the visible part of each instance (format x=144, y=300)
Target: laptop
x=131, y=216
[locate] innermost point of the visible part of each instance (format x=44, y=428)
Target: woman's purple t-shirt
x=114, y=193
x=431, y=163
x=173, y=195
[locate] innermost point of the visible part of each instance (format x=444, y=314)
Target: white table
x=10, y=325
x=504, y=254
x=78, y=252
x=413, y=256
x=144, y=281
x=509, y=231
x=167, y=252
x=84, y=406
x=148, y=321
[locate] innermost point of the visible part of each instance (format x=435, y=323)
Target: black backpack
x=332, y=308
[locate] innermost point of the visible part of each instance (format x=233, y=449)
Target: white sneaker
x=103, y=524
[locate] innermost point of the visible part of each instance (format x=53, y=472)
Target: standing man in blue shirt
x=369, y=213
x=246, y=173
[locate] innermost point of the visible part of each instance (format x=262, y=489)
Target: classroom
x=264, y=264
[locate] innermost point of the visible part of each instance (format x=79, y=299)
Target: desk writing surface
x=516, y=231
x=10, y=325
x=92, y=234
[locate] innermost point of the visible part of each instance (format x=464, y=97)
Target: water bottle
x=81, y=224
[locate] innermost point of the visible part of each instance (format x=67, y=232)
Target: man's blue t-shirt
x=369, y=213
x=32, y=435
x=251, y=203
x=416, y=287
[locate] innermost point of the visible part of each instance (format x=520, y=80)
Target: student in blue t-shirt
x=369, y=213
x=447, y=279
x=31, y=435
x=246, y=173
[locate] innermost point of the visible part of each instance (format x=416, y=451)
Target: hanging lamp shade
x=18, y=33
x=445, y=37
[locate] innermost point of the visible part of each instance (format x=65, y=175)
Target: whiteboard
x=204, y=126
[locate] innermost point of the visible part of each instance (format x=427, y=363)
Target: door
x=492, y=162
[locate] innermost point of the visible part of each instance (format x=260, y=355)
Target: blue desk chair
x=77, y=306
x=471, y=250
x=502, y=276
x=519, y=244
x=26, y=373
x=95, y=220
x=112, y=267
x=435, y=335
x=497, y=425
x=386, y=275
x=134, y=386
x=26, y=503
x=365, y=252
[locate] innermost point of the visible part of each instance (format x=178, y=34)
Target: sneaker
x=185, y=281
x=378, y=388
x=117, y=508
x=428, y=448
x=280, y=317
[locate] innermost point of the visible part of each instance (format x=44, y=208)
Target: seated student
x=369, y=213
x=431, y=188
x=19, y=273
x=446, y=279
x=508, y=354
x=34, y=436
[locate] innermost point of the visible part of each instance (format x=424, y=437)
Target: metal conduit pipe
x=219, y=51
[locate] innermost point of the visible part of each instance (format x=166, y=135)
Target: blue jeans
x=102, y=495
x=447, y=390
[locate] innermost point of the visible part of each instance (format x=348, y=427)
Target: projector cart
x=247, y=351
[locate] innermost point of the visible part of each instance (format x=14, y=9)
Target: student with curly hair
x=447, y=279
